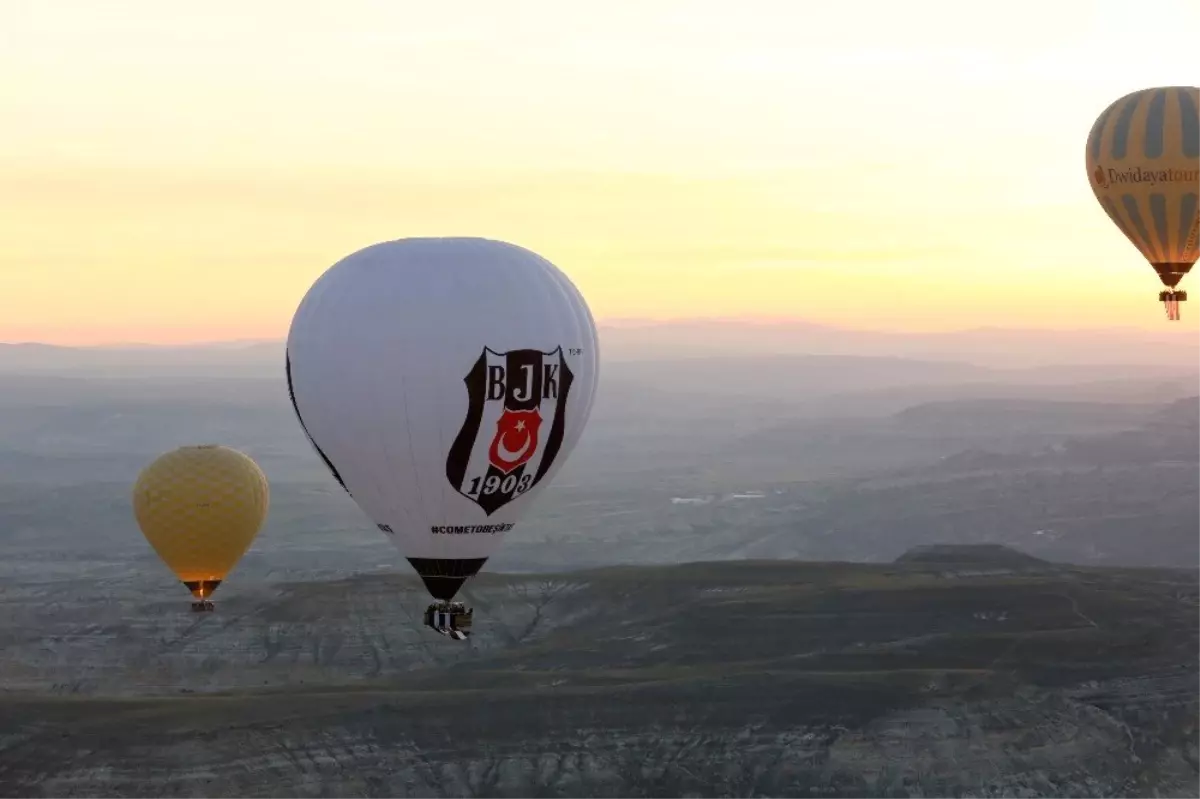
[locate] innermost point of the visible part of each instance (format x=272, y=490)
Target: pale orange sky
x=174, y=172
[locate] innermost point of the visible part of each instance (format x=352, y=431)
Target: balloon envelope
x=444, y=382
x=200, y=508
x=1143, y=162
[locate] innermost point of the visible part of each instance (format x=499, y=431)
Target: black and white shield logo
x=514, y=426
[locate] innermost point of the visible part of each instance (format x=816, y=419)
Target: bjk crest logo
x=1100, y=177
x=516, y=415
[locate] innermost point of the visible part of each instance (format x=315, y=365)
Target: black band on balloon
x=1171, y=273
x=300, y=419
x=444, y=577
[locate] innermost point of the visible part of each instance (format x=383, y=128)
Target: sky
x=175, y=172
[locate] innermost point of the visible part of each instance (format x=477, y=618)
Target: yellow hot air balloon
x=1143, y=161
x=200, y=508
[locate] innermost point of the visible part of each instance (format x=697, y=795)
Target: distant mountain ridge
x=971, y=554
x=626, y=340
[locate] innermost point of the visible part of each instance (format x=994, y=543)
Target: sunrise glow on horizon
x=178, y=173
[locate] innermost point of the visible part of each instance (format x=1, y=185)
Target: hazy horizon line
x=628, y=323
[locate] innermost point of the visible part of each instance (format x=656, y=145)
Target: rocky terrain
x=957, y=671
x=925, y=660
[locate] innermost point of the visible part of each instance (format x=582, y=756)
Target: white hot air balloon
x=444, y=382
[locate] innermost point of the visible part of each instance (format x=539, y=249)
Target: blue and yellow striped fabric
x=1143, y=161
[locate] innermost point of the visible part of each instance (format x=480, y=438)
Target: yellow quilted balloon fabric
x=200, y=508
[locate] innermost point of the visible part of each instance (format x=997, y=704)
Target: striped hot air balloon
x=1143, y=161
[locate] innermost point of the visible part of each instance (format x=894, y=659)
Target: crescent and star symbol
x=509, y=455
x=516, y=439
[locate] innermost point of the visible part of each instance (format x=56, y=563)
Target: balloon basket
x=1171, y=300
x=451, y=619
x=203, y=606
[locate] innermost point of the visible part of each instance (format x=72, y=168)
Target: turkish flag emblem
x=516, y=439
